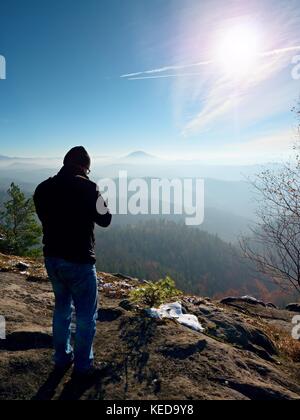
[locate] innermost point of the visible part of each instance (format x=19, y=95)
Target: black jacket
x=66, y=206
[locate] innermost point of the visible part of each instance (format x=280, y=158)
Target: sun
x=238, y=50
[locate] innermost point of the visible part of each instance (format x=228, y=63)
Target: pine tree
x=20, y=232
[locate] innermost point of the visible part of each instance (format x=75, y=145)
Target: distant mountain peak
x=140, y=155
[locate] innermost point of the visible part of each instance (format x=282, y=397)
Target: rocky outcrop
x=232, y=328
x=240, y=355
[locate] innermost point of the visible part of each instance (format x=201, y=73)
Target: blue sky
x=68, y=78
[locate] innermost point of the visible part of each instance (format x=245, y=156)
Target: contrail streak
x=167, y=68
x=280, y=51
x=163, y=76
x=132, y=74
x=142, y=75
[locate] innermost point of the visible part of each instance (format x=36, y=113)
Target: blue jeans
x=73, y=283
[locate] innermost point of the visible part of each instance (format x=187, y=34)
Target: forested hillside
x=200, y=263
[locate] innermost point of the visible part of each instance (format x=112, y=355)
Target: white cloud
x=226, y=95
x=268, y=146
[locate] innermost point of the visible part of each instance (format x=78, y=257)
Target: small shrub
x=154, y=294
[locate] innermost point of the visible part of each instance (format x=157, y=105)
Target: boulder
x=271, y=305
x=293, y=307
x=246, y=299
x=124, y=277
x=128, y=305
x=22, y=266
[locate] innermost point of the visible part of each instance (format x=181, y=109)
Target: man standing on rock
x=69, y=205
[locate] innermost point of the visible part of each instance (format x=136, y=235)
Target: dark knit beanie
x=77, y=156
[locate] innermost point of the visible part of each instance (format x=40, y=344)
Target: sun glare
x=238, y=50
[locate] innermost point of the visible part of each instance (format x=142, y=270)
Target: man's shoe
x=91, y=374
